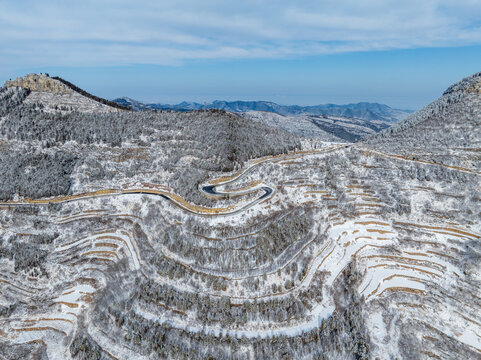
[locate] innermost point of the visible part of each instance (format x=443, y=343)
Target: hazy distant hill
x=363, y=110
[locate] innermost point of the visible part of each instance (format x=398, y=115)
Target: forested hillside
x=208, y=235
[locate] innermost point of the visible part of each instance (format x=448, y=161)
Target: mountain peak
x=57, y=94
x=468, y=85
x=43, y=83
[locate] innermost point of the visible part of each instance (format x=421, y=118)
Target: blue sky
x=403, y=54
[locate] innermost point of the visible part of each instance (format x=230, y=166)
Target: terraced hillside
x=205, y=235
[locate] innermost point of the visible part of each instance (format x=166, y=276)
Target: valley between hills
x=209, y=234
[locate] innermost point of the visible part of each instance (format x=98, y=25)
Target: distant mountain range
x=362, y=110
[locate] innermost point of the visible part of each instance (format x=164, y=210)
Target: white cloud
x=168, y=32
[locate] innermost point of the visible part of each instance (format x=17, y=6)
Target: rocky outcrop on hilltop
x=42, y=83
x=53, y=95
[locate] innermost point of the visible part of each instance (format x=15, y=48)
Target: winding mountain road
x=210, y=189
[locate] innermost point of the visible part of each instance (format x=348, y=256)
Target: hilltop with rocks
x=56, y=95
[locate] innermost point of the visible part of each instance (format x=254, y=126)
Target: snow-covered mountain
x=448, y=130
x=205, y=234
x=55, y=94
